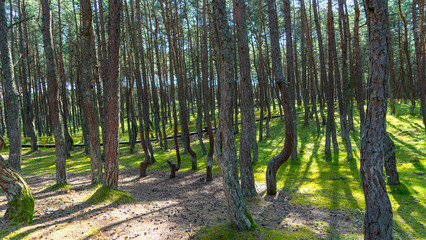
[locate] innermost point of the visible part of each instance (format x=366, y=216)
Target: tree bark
x=248, y=124
x=275, y=162
x=11, y=104
x=207, y=95
x=331, y=126
x=390, y=160
x=53, y=91
x=18, y=192
x=225, y=150
x=88, y=88
x=378, y=214
x=111, y=100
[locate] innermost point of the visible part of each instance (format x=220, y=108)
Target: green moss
x=55, y=187
x=21, y=209
x=226, y=231
x=104, y=194
x=253, y=223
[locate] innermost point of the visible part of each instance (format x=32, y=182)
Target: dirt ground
x=164, y=209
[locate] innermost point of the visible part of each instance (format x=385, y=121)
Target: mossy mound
x=56, y=187
x=226, y=231
x=104, y=194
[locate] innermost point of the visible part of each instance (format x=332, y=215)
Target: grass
x=311, y=180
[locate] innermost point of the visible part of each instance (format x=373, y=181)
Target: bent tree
x=18, y=193
x=225, y=150
x=275, y=162
x=378, y=212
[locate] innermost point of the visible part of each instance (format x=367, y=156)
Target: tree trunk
x=390, y=160
x=275, y=162
x=225, y=150
x=11, y=103
x=378, y=214
x=207, y=94
x=88, y=88
x=331, y=127
x=53, y=91
x=111, y=100
x=418, y=33
x=18, y=192
x=248, y=124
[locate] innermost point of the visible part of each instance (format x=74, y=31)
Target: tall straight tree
x=248, y=125
x=88, y=88
x=206, y=94
x=53, y=91
x=331, y=126
x=418, y=38
x=225, y=150
x=358, y=68
x=378, y=212
x=111, y=99
x=290, y=71
x=11, y=104
x=275, y=162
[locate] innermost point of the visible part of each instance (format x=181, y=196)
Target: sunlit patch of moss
x=226, y=231
x=105, y=195
x=55, y=187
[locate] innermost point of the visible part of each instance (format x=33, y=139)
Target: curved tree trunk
x=18, y=193
x=225, y=150
x=275, y=162
x=378, y=214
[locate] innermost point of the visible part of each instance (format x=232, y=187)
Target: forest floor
x=164, y=208
x=318, y=198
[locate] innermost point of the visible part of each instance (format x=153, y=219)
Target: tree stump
x=390, y=160
x=18, y=193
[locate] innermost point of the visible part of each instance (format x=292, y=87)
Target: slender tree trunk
x=378, y=214
x=248, y=124
x=275, y=162
x=331, y=127
x=63, y=88
x=88, y=89
x=111, y=100
x=207, y=94
x=418, y=33
x=27, y=113
x=11, y=103
x=52, y=79
x=410, y=90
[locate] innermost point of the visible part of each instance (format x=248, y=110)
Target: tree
x=111, y=98
x=18, y=193
x=11, y=104
x=248, y=125
x=88, y=88
x=331, y=126
x=53, y=91
x=275, y=162
x=225, y=151
x=207, y=95
x=378, y=213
